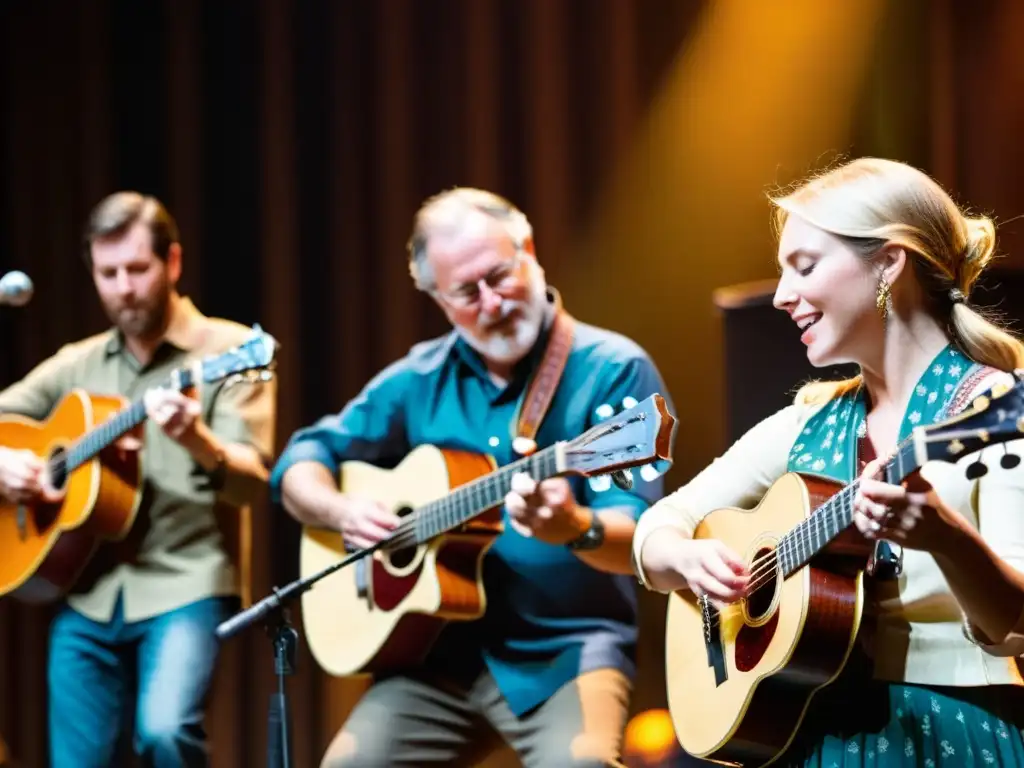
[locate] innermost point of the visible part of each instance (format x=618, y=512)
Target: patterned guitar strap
x=886, y=560
x=544, y=383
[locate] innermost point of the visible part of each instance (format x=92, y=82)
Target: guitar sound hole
x=401, y=558
x=763, y=579
x=58, y=468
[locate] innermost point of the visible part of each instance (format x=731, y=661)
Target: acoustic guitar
x=46, y=546
x=740, y=678
x=385, y=611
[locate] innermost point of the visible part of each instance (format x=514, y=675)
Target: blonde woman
x=877, y=265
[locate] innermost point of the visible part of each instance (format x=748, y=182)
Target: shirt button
x=493, y=441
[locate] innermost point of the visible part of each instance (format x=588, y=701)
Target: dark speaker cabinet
x=765, y=362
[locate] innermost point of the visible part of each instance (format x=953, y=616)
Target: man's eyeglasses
x=500, y=279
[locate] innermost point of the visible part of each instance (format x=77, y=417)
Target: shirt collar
x=185, y=330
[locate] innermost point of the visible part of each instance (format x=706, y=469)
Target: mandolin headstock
x=991, y=419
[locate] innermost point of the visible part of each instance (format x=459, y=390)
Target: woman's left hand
x=912, y=514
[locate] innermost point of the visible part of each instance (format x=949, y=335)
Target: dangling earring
x=883, y=299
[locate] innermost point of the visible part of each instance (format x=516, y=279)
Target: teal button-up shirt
x=550, y=617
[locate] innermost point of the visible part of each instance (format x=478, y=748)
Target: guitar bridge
x=22, y=518
x=711, y=619
x=363, y=580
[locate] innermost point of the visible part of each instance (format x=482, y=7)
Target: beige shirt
x=919, y=637
x=189, y=541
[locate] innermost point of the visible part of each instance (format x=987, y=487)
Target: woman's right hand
x=674, y=561
x=711, y=568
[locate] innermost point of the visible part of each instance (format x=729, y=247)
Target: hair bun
x=977, y=252
x=981, y=240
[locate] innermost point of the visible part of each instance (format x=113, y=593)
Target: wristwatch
x=592, y=538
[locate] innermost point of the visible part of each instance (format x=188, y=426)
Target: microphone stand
x=273, y=612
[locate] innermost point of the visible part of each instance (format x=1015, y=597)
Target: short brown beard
x=153, y=319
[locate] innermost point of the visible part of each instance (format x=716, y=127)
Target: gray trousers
x=423, y=721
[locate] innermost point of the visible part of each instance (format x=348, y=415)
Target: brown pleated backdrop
x=293, y=141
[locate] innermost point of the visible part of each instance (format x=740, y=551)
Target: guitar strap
x=544, y=382
x=965, y=392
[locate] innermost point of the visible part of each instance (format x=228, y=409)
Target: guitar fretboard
x=473, y=498
x=89, y=445
x=813, y=534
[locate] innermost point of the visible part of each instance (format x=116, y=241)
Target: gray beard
x=513, y=347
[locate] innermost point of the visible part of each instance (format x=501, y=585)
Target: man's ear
x=174, y=263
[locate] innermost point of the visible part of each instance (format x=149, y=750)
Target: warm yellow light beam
x=761, y=92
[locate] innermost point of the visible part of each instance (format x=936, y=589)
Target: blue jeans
x=163, y=664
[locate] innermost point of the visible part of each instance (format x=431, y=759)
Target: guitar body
x=385, y=611
x=738, y=692
x=46, y=546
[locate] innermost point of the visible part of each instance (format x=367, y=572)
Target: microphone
x=15, y=289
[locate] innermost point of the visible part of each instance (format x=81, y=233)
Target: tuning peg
x=623, y=478
x=1000, y=388
x=976, y=470
x=1008, y=460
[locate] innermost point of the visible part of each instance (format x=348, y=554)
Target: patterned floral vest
x=827, y=447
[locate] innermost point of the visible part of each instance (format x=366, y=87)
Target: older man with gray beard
x=549, y=666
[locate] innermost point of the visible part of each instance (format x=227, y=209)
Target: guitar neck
x=89, y=445
x=833, y=517
x=476, y=497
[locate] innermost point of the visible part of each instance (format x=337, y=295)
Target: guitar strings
x=760, y=574
x=405, y=533
x=765, y=566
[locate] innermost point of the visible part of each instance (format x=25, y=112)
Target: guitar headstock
x=991, y=419
x=252, y=358
x=638, y=435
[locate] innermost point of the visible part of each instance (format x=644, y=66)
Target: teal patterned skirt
x=872, y=723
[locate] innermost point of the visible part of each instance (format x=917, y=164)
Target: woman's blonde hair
x=870, y=203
